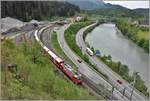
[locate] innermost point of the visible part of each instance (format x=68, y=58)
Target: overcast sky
x=130, y=4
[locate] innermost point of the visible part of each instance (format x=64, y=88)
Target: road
x=83, y=67
x=113, y=77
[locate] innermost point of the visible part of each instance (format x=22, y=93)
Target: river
x=109, y=40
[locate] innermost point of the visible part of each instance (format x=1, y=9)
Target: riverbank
x=113, y=65
x=123, y=71
x=137, y=34
x=91, y=28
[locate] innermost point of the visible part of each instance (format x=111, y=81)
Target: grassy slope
x=143, y=34
x=37, y=80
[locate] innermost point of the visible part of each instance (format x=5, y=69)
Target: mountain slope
x=87, y=4
x=115, y=12
x=100, y=8
x=92, y=4
x=142, y=11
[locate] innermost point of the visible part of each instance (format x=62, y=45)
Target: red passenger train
x=69, y=71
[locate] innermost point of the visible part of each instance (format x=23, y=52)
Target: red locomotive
x=70, y=72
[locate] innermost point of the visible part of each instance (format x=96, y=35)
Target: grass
x=35, y=80
x=143, y=35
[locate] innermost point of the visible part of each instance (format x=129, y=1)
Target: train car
x=73, y=74
x=70, y=72
x=45, y=48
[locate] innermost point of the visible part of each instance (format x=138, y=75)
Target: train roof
x=46, y=48
x=73, y=71
x=59, y=60
x=52, y=54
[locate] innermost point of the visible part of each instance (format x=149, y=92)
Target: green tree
x=7, y=55
x=118, y=66
x=109, y=57
x=92, y=48
x=35, y=53
x=123, y=70
x=141, y=42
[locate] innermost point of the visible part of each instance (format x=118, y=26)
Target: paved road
x=105, y=69
x=83, y=67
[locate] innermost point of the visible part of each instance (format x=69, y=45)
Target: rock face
x=8, y=23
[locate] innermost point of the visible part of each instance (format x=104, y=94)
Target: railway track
x=99, y=89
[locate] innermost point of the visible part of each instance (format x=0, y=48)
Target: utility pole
x=133, y=85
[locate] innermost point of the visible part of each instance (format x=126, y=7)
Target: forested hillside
x=143, y=11
x=39, y=10
x=115, y=12
x=92, y=4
